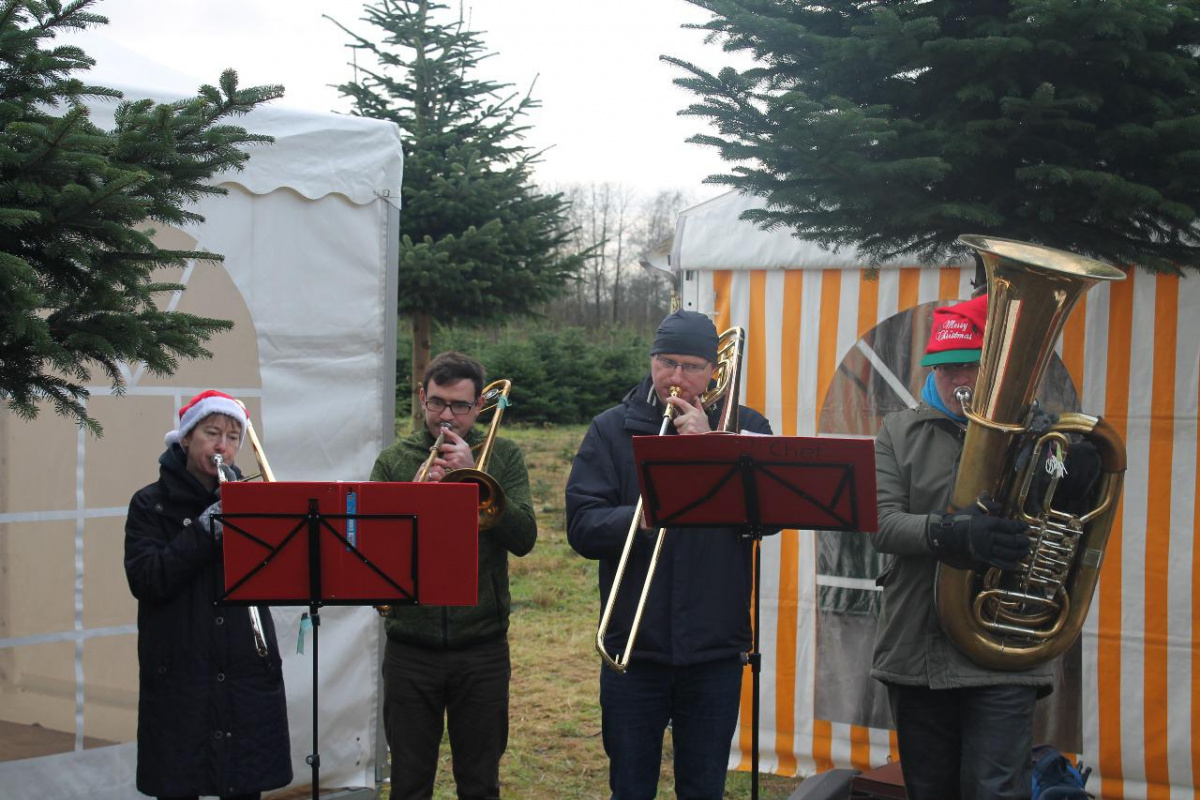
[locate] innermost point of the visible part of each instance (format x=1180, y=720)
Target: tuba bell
x=1010, y=620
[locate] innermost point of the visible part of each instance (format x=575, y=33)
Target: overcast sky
x=609, y=108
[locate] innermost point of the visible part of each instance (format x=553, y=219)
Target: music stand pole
x=754, y=532
x=314, y=615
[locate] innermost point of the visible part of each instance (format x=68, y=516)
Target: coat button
x=220, y=677
x=162, y=669
x=220, y=620
x=228, y=734
x=158, y=507
x=217, y=735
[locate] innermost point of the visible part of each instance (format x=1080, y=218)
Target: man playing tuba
x=963, y=730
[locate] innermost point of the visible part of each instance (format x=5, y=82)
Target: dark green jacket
x=916, y=463
x=515, y=532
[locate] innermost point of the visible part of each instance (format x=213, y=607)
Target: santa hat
x=957, y=335
x=203, y=404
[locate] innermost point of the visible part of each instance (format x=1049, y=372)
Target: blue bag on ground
x=1055, y=778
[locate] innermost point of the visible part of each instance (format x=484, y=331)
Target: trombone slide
x=256, y=625
x=620, y=662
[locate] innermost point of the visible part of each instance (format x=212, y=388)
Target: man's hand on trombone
x=689, y=416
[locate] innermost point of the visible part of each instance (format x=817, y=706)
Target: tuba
x=1011, y=620
x=726, y=384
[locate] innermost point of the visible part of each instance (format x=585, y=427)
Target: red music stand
x=333, y=543
x=759, y=484
x=727, y=480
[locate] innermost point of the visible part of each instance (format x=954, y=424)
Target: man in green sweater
x=452, y=664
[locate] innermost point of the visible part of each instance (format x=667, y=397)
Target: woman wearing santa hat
x=212, y=714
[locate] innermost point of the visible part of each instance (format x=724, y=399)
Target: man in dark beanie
x=686, y=667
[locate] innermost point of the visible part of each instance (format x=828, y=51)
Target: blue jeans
x=964, y=744
x=701, y=703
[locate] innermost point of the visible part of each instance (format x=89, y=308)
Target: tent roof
x=314, y=154
x=712, y=236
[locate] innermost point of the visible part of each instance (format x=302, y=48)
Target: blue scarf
x=930, y=395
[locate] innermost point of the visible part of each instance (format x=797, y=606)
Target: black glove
x=210, y=525
x=973, y=535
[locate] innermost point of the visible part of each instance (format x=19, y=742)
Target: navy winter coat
x=212, y=715
x=699, y=604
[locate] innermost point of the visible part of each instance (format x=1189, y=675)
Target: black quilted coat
x=212, y=715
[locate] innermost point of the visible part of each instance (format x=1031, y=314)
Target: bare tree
x=614, y=226
x=623, y=197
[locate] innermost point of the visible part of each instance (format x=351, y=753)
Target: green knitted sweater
x=515, y=532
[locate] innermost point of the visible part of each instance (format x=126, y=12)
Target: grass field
x=554, y=748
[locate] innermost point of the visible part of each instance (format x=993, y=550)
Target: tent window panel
x=846, y=692
x=37, y=700
x=107, y=601
x=110, y=690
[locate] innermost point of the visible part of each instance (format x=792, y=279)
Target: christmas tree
x=77, y=206
x=894, y=127
x=479, y=241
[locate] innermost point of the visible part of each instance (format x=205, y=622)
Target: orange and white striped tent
x=830, y=349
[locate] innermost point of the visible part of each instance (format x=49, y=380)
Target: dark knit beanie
x=686, y=333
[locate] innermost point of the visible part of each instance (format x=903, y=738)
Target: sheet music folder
x=735, y=480
x=376, y=543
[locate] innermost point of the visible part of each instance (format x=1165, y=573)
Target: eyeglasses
x=459, y=407
x=690, y=369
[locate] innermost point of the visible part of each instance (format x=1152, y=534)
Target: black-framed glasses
x=459, y=407
x=671, y=365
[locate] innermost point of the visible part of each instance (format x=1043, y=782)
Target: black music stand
x=275, y=553
x=758, y=484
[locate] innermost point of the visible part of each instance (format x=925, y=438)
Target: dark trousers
x=468, y=690
x=701, y=703
x=968, y=744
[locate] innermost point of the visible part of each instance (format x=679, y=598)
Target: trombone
x=264, y=468
x=491, y=497
x=727, y=385
x=423, y=473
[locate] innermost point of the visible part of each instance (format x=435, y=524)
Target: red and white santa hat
x=203, y=404
x=957, y=333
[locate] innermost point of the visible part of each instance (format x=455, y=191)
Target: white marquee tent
x=309, y=231
x=830, y=349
